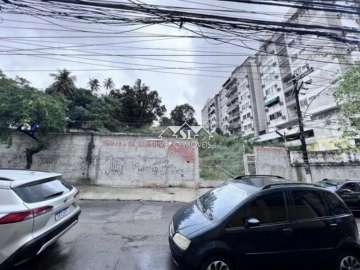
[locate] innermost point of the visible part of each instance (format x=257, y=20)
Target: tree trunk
x=30, y=152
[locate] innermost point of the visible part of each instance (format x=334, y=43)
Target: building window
x=275, y=116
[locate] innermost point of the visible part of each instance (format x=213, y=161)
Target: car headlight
x=171, y=229
x=181, y=241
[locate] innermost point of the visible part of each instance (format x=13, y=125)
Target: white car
x=36, y=208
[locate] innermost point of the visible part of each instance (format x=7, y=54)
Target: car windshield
x=330, y=183
x=220, y=201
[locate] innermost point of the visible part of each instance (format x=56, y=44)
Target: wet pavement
x=116, y=235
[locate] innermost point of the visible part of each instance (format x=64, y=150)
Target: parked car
x=348, y=190
x=262, y=222
x=36, y=208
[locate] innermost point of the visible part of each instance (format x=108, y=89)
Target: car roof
x=262, y=182
x=340, y=181
x=15, y=177
x=259, y=181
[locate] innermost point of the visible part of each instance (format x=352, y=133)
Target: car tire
x=348, y=260
x=217, y=263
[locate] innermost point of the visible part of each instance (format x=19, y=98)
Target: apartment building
x=223, y=112
x=238, y=108
x=214, y=113
x=286, y=55
x=210, y=115
x=205, y=116
x=245, y=100
x=273, y=81
x=256, y=97
x=258, y=94
x=232, y=102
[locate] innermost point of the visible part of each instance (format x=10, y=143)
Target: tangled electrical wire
x=137, y=13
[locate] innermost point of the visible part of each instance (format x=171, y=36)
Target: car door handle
x=333, y=225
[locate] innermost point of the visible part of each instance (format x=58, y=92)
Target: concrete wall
x=324, y=164
x=111, y=160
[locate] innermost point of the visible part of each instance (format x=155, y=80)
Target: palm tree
x=109, y=84
x=94, y=85
x=64, y=83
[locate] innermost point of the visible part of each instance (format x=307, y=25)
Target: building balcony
x=233, y=106
x=229, y=83
x=235, y=125
x=211, y=108
x=232, y=92
x=234, y=99
x=212, y=112
x=234, y=117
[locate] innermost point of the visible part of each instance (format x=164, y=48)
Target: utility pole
x=298, y=86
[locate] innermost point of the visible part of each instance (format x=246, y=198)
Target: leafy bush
x=225, y=159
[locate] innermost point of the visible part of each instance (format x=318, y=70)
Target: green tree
x=79, y=111
x=138, y=105
x=165, y=122
x=183, y=113
x=87, y=111
x=31, y=112
x=109, y=84
x=348, y=100
x=94, y=85
x=64, y=83
x=22, y=81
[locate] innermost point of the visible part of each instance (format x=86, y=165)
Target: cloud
x=174, y=89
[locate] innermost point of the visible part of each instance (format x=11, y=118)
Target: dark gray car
x=264, y=222
x=348, y=190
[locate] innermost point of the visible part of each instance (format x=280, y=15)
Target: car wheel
x=217, y=263
x=348, y=261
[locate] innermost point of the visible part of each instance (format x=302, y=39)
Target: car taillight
x=41, y=210
x=16, y=217
x=21, y=216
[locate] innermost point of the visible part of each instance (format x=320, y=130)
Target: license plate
x=61, y=214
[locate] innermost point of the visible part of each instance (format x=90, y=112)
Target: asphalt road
x=114, y=235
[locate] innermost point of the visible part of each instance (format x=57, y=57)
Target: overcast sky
x=174, y=89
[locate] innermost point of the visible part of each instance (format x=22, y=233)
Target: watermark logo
x=186, y=132
x=191, y=135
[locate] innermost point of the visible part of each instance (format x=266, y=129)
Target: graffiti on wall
x=141, y=167
x=139, y=159
x=114, y=166
x=116, y=160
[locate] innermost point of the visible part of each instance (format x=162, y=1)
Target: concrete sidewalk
x=144, y=194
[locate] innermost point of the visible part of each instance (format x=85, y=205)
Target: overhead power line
x=301, y=4
x=157, y=14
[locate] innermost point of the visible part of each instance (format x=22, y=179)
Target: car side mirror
x=252, y=222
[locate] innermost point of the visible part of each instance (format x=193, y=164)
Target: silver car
x=36, y=208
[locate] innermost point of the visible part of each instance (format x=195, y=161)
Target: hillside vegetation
x=225, y=159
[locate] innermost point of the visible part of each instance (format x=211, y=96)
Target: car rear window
x=307, y=204
x=42, y=191
x=336, y=206
x=329, y=183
